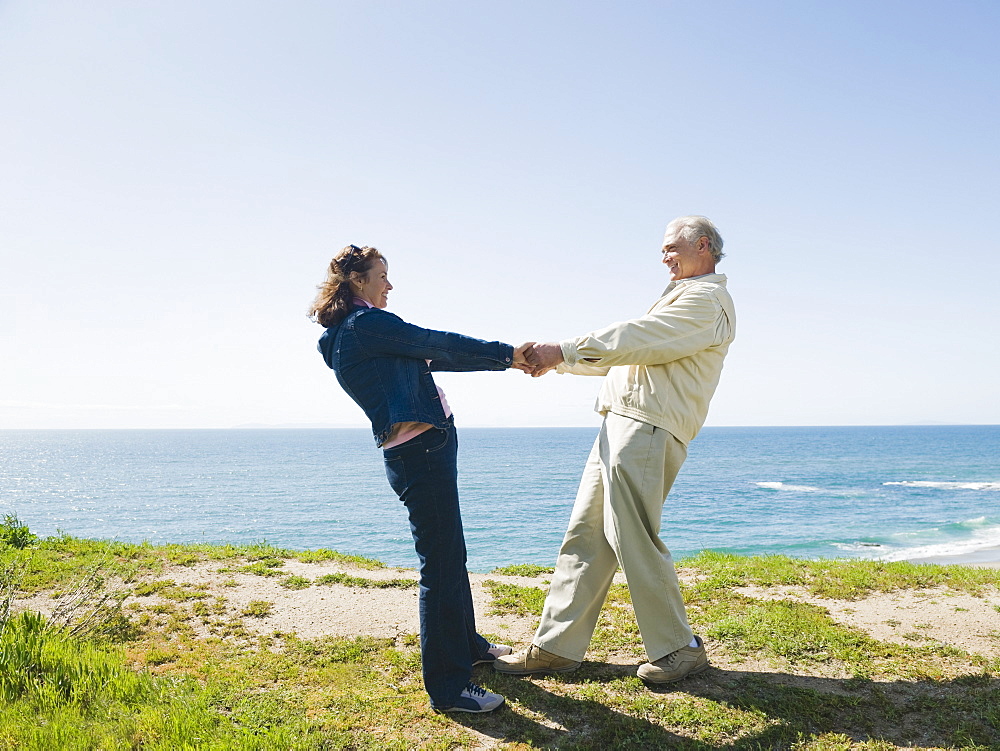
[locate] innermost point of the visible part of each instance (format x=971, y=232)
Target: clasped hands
x=536, y=358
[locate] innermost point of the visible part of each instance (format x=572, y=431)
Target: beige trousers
x=616, y=522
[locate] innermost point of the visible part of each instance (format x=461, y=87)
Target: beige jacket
x=662, y=368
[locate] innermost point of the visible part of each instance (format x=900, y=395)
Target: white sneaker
x=495, y=650
x=475, y=699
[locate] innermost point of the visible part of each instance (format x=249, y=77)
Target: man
x=661, y=371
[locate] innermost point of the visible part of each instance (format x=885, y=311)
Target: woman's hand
x=537, y=359
x=520, y=360
x=542, y=358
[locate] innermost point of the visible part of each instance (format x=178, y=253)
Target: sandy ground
x=910, y=617
x=325, y=610
x=337, y=610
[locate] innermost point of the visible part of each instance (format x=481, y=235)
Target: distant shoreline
x=983, y=558
x=592, y=426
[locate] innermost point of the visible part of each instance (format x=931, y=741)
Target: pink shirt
x=404, y=431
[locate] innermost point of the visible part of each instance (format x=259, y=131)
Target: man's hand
x=520, y=361
x=543, y=357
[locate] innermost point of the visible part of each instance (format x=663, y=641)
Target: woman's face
x=375, y=284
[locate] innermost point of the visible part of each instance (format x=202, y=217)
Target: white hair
x=693, y=227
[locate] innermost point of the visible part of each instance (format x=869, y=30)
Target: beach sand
x=983, y=558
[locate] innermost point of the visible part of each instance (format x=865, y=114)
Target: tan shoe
x=533, y=660
x=676, y=665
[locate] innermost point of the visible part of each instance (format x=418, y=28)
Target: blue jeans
x=424, y=474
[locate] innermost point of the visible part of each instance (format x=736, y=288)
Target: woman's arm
x=383, y=334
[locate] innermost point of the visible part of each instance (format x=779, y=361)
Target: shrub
x=47, y=667
x=15, y=533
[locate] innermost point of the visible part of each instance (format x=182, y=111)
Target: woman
x=385, y=364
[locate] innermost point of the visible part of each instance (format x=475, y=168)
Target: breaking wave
x=940, y=485
x=783, y=486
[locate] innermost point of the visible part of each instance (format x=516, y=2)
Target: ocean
x=892, y=493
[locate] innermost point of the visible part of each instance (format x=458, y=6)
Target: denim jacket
x=381, y=362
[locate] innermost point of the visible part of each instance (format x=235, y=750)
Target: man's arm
x=688, y=325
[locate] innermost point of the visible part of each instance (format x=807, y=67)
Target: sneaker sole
x=567, y=669
x=487, y=660
x=484, y=662
x=468, y=711
x=694, y=671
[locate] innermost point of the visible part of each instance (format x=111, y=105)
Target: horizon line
x=307, y=426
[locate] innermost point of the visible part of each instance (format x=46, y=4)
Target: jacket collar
x=710, y=278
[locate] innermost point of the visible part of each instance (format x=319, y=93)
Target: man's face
x=685, y=258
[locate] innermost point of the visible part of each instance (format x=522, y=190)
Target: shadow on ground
x=959, y=712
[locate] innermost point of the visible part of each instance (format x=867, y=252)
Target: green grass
x=263, y=567
x=15, y=534
x=347, y=580
x=57, y=692
x=56, y=562
x=322, y=554
x=171, y=591
x=515, y=599
x=524, y=569
x=190, y=672
x=835, y=579
x=258, y=609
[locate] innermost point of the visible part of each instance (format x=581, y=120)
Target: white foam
x=981, y=539
x=859, y=547
x=947, y=485
x=782, y=486
x=979, y=521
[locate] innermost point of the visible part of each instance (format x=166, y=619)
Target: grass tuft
x=347, y=580
x=322, y=554
x=263, y=567
x=258, y=609
x=524, y=569
x=514, y=599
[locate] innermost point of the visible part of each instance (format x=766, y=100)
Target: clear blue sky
x=174, y=177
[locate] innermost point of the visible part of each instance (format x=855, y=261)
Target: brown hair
x=333, y=302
